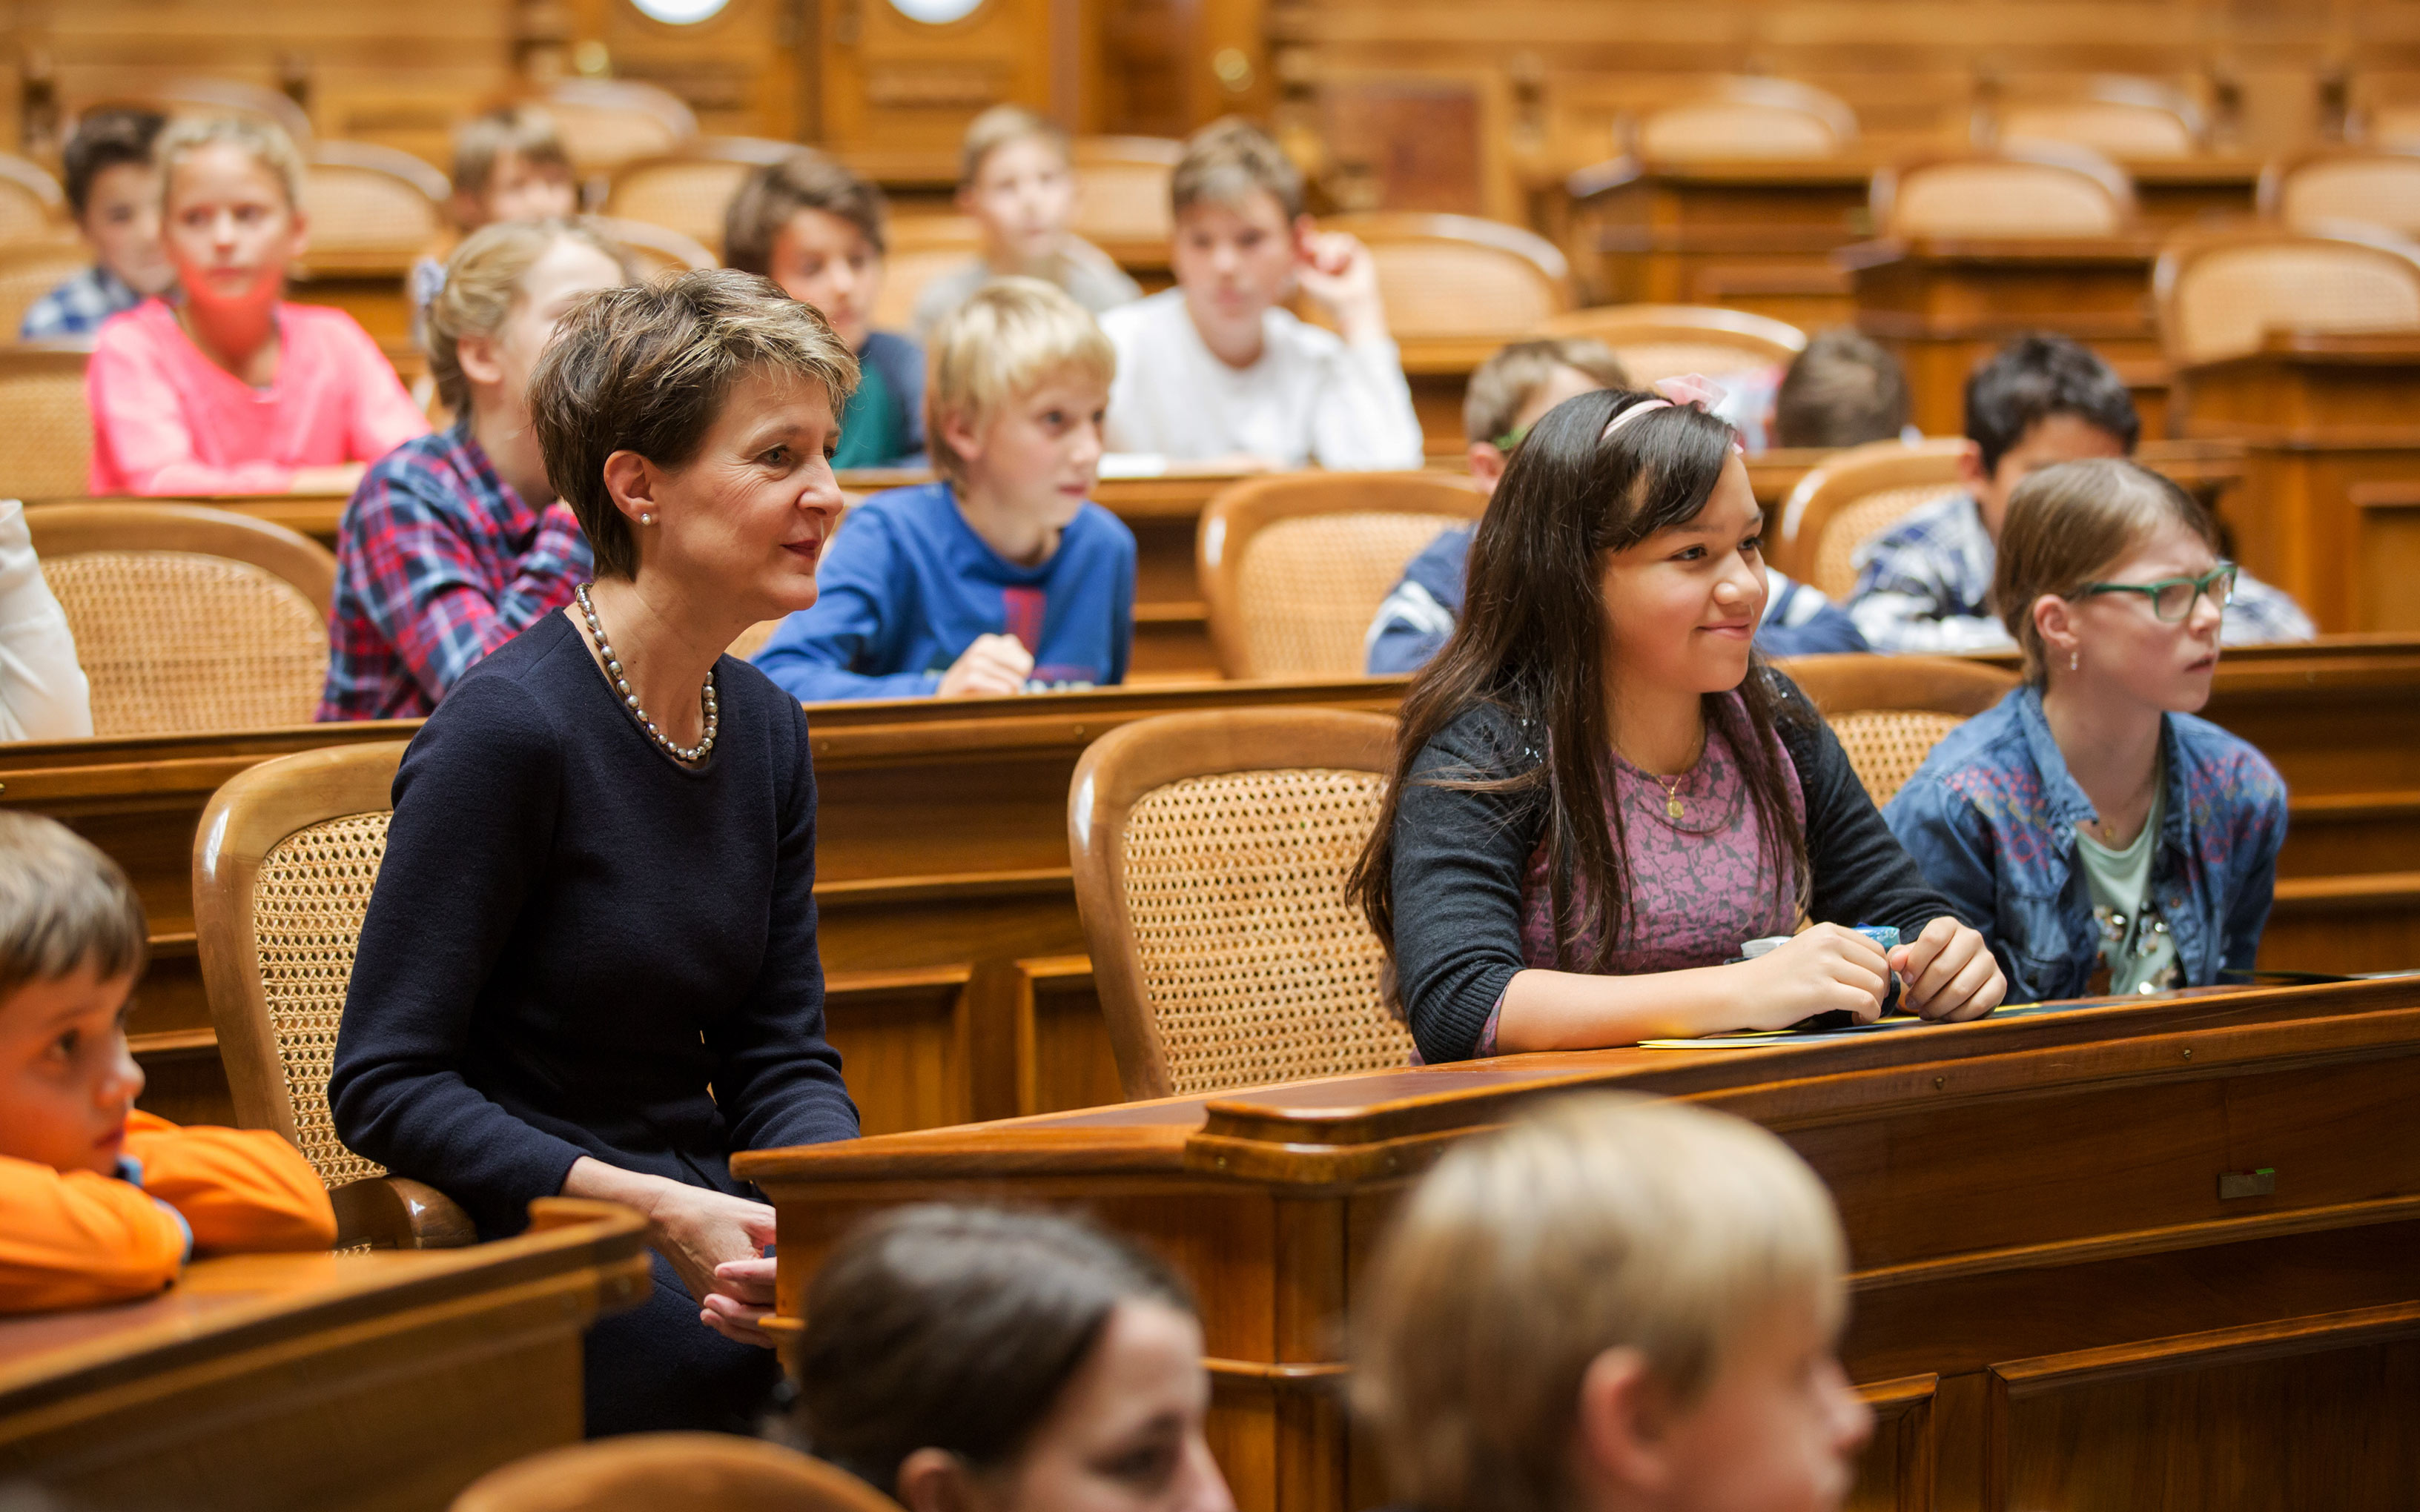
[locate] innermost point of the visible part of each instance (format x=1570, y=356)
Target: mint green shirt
x=2135, y=945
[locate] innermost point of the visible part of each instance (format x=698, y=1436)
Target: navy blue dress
x=580, y=947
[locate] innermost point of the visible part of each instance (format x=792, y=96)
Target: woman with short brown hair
x=590, y=965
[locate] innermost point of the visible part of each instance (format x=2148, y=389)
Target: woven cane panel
x=1834, y=572
x=2394, y=126
x=2380, y=191
x=603, y=140
x=1124, y=201
x=2002, y=199
x=1255, y=968
x=1450, y=288
x=904, y=277
x=1735, y=131
x=1309, y=587
x=22, y=217
x=2225, y=299
x=687, y=197
x=1887, y=745
x=361, y=210
x=1651, y=361
x=178, y=643
x=48, y=455
x=2128, y=133
x=29, y=277
x=307, y=907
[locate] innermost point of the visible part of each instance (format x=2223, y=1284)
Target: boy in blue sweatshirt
x=1003, y=576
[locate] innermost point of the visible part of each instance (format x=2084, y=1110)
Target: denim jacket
x=1990, y=817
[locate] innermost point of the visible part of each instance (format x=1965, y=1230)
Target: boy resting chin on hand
x=100, y=1202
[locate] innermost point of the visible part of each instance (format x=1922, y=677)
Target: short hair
x=263, y=142
x=63, y=905
x=1844, y=389
x=772, y=196
x=483, y=284
x=1226, y=161
x=955, y=1327
x=1007, y=337
x=1506, y=383
x=1595, y=1223
x=645, y=368
x=999, y=126
x=106, y=139
x=2069, y=524
x=2036, y=377
x=526, y=131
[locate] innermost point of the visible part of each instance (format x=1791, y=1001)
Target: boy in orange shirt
x=100, y=1202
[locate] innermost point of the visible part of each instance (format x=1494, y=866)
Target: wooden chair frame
x=1405, y=225
x=662, y=239
x=627, y=96
x=247, y=818
x=1884, y=191
x=1865, y=684
x=1619, y=324
x=1235, y=515
x=1115, y=773
x=157, y=525
x=217, y=97
x=2192, y=243
x=1755, y=90
x=749, y=152
x=2096, y=89
x=671, y=1472
x=64, y=358
x=1850, y=475
x=36, y=181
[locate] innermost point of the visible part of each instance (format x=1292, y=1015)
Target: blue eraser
x=1884, y=935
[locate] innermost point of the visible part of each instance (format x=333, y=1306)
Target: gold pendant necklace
x=1674, y=807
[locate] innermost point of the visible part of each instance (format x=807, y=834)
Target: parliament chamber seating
x=284, y=863
x=49, y=454
x=2222, y=290
x=1660, y=341
x=2128, y=119
x=1211, y=852
x=1294, y=566
x=371, y=207
x=1121, y=203
x=199, y=95
x=658, y=250
x=1853, y=496
x=29, y=269
x=1746, y=117
x=608, y=122
x=2034, y=190
x=671, y=1472
x=2313, y=190
x=921, y=248
x=1889, y=713
x=187, y=619
x=686, y=191
x=33, y=206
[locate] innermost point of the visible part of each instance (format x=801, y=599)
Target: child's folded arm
x=76, y=1239
x=239, y=1189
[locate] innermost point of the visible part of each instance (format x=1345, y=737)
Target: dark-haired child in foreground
x=1601, y=792
x=100, y=1202
x=2106, y=839
x=1925, y=584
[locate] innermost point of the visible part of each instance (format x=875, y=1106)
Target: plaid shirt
x=438, y=563
x=78, y=306
x=1925, y=586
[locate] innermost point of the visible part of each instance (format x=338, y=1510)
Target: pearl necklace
x=688, y=755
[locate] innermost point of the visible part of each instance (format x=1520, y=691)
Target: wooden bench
x=2087, y=1245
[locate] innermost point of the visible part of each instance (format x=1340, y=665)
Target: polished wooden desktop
x=2144, y=1253
x=380, y=1381
x=2330, y=424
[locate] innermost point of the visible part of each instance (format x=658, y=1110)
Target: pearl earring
x=2074, y=660
x=647, y=519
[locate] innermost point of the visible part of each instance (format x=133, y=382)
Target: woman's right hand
x=1826, y=969
x=698, y=1230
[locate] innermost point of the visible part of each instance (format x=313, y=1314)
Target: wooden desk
x=306, y=1382
x=1945, y=306
x=2331, y=425
x=2053, y=1306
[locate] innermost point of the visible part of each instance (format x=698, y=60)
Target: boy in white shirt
x=1215, y=371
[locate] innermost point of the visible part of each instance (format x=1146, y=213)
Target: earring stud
x=646, y=517
x=2074, y=660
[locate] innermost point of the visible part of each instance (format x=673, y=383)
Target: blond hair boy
x=1215, y=371
x=1002, y=576
x=1615, y=1304
x=1018, y=180
x=100, y=1202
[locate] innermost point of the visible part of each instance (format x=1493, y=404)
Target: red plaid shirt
x=438, y=563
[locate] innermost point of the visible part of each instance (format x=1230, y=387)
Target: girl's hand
x=995, y=666
x=740, y=1301
x=1950, y=973
x=1826, y=969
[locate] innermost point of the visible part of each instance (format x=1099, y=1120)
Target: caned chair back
x=48, y=455
x=1293, y=567
x=608, y=122
x=2128, y=118
x=1457, y=275
x=1211, y=852
x=1660, y=341
x=33, y=208
x=2393, y=124
x=1122, y=188
x=1854, y=497
x=671, y=1472
x=2219, y=291
x=1748, y=118
x=922, y=248
x=2375, y=186
x=688, y=191
x=2035, y=189
x=655, y=250
x=189, y=619
x=371, y=204
x=216, y=97
x=1890, y=711
x=29, y=269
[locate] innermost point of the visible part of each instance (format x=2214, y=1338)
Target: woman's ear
x=633, y=482
x=1621, y=1439
x=935, y=1480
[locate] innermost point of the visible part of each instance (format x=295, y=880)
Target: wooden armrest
x=396, y=1213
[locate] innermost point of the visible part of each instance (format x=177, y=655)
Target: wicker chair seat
x=2226, y=298
x=1983, y=197
x=308, y=902
x=1835, y=571
x=176, y=643
x=1887, y=745
x=1256, y=967
x=1309, y=587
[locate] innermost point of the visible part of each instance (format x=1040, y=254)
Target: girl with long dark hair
x=1601, y=792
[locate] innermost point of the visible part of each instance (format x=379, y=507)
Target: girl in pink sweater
x=231, y=389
